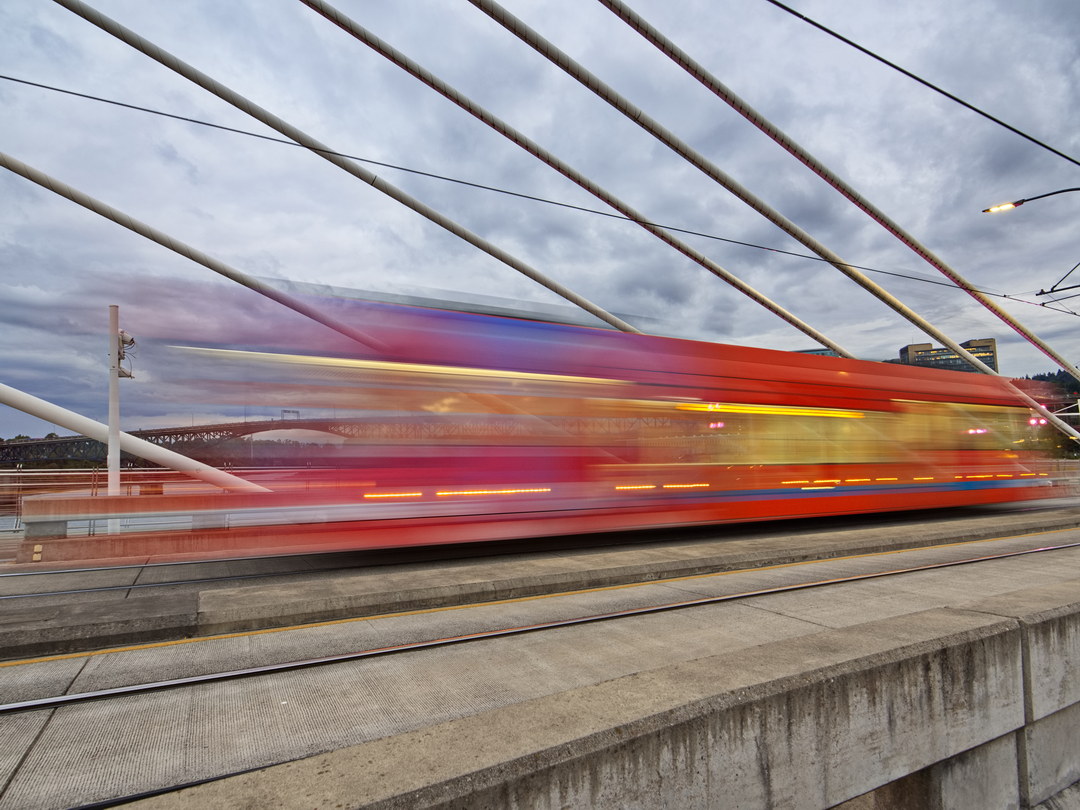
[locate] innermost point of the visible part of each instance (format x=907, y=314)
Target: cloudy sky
x=276, y=211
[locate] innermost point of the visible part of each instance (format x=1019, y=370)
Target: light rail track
x=135, y=689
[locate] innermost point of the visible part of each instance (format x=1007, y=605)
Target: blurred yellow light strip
x=778, y=410
x=817, y=487
x=414, y=368
x=794, y=482
x=1027, y=475
x=826, y=480
x=886, y=479
x=684, y=486
x=638, y=486
x=492, y=491
x=925, y=478
x=393, y=494
x=856, y=480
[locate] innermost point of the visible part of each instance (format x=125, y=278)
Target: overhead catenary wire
x=353, y=28
x=921, y=81
x=638, y=116
x=1015, y=297
x=230, y=96
x=713, y=84
x=578, y=72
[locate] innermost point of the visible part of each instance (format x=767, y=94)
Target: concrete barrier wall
x=974, y=707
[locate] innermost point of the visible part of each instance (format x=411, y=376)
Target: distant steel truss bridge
x=209, y=442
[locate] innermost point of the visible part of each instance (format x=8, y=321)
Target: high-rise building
x=925, y=354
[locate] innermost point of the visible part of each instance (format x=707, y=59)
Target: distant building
x=823, y=352
x=924, y=354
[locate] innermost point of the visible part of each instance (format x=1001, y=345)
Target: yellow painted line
x=512, y=601
x=639, y=486
x=684, y=486
x=393, y=494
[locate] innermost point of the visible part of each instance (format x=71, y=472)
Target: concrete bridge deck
x=950, y=688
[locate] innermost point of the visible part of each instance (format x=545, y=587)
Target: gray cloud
x=275, y=211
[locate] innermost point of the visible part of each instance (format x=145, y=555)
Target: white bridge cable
x=365, y=36
x=579, y=73
x=274, y=122
x=639, y=117
x=16, y=166
x=90, y=428
x=699, y=72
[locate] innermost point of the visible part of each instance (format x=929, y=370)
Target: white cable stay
x=274, y=122
x=365, y=36
x=71, y=420
x=695, y=69
x=580, y=74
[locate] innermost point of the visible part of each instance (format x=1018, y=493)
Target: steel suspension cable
x=695, y=69
x=365, y=36
x=579, y=73
x=274, y=122
x=100, y=208
x=699, y=161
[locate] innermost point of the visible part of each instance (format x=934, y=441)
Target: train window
x=949, y=426
x=826, y=440
x=732, y=434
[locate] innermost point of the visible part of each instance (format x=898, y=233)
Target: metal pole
x=113, y=455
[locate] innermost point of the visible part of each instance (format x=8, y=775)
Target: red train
x=477, y=427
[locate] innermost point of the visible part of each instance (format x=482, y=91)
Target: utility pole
x=119, y=343
x=113, y=456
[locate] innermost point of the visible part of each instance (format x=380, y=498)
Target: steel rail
x=287, y=666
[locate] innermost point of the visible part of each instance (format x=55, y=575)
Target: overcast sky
x=277, y=211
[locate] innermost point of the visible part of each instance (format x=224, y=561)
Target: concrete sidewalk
x=973, y=707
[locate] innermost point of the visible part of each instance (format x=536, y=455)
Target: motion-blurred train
x=473, y=427
x=466, y=427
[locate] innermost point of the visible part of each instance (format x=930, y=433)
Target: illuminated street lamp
x=994, y=209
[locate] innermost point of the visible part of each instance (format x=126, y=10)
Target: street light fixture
x=994, y=209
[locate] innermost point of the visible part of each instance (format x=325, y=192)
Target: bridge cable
x=639, y=117
x=187, y=251
x=696, y=70
x=274, y=122
x=522, y=195
x=520, y=139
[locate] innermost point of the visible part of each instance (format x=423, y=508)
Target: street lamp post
x=996, y=209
